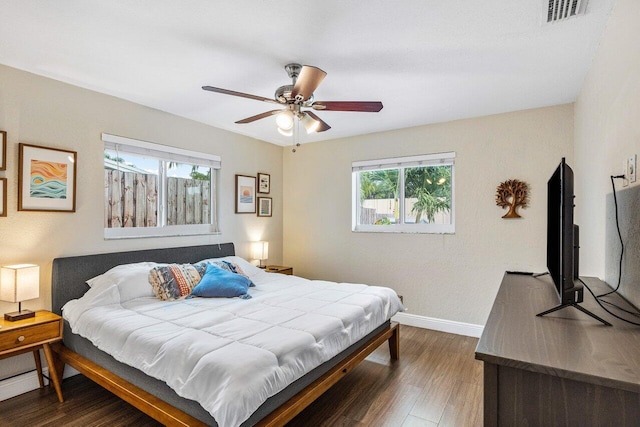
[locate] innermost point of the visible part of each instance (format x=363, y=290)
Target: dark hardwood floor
x=436, y=382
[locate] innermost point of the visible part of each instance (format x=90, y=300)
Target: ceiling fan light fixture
x=310, y=124
x=284, y=120
x=285, y=132
x=292, y=98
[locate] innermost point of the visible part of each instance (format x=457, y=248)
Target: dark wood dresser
x=564, y=369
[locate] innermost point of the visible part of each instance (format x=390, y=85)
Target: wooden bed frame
x=172, y=416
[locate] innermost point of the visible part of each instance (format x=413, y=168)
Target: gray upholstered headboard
x=69, y=274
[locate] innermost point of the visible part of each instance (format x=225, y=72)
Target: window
x=404, y=194
x=157, y=190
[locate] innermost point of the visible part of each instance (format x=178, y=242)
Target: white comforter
x=230, y=355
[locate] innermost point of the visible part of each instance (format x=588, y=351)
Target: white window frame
x=165, y=153
x=438, y=159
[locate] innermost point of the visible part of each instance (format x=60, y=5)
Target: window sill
x=168, y=231
x=405, y=229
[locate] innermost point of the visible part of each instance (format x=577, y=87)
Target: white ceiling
x=428, y=61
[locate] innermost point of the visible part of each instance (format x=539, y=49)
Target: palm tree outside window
x=409, y=194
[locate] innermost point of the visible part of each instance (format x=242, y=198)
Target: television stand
x=575, y=305
x=565, y=372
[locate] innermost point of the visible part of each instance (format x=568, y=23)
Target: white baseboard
x=442, y=325
x=14, y=386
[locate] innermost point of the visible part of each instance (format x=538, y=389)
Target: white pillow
x=248, y=268
x=132, y=280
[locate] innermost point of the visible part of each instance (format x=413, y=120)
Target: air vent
x=560, y=10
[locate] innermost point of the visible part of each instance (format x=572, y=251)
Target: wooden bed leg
x=57, y=361
x=394, y=342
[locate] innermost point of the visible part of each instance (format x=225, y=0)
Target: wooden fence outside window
x=131, y=200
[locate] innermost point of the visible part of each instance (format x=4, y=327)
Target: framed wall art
x=46, y=179
x=264, y=206
x=245, y=194
x=264, y=183
x=3, y=150
x=3, y=197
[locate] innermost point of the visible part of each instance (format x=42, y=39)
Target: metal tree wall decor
x=511, y=194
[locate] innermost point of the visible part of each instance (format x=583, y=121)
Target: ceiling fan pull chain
x=296, y=136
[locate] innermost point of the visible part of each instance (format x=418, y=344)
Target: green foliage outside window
x=430, y=185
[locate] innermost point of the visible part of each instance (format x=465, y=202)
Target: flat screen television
x=562, y=236
x=562, y=242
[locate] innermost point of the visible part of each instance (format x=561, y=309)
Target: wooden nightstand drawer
x=28, y=335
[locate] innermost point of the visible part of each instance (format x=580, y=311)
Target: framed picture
x=3, y=197
x=245, y=194
x=264, y=206
x=3, y=150
x=264, y=183
x=46, y=179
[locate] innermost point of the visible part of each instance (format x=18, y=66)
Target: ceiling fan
x=297, y=98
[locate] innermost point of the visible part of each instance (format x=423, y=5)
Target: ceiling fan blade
x=258, y=117
x=308, y=80
x=323, y=125
x=362, y=106
x=243, y=95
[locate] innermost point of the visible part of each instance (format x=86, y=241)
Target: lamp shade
x=260, y=250
x=19, y=282
x=285, y=132
x=284, y=120
x=310, y=124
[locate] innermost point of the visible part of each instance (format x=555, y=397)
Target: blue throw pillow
x=232, y=267
x=217, y=282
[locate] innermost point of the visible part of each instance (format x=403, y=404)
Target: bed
x=152, y=395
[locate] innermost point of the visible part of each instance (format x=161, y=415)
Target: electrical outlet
x=625, y=171
x=631, y=168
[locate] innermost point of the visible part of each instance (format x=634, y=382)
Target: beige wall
x=452, y=277
x=607, y=130
x=45, y=112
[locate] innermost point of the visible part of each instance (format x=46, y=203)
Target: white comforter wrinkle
x=230, y=354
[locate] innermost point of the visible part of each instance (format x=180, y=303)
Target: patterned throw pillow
x=175, y=281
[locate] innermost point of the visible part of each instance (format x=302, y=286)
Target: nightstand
x=279, y=269
x=31, y=335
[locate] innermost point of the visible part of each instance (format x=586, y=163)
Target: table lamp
x=19, y=283
x=260, y=251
